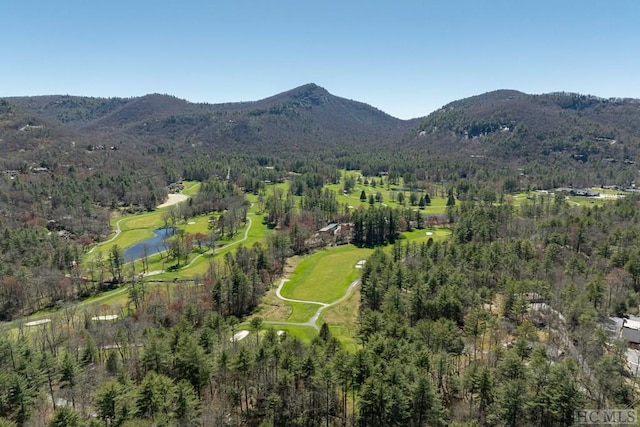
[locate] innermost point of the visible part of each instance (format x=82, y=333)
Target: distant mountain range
x=505, y=125
x=514, y=126
x=297, y=119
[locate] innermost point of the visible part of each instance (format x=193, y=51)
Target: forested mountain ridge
x=554, y=139
x=302, y=117
x=518, y=128
x=498, y=324
x=106, y=152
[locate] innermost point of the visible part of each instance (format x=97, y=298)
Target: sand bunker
x=37, y=322
x=239, y=335
x=429, y=233
x=173, y=199
x=105, y=317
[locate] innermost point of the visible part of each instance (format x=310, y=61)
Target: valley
x=314, y=289
x=316, y=261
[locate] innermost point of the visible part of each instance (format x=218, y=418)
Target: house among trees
x=344, y=233
x=333, y=233
x=328, y=230
x=581, y=192
x=435, y=220
x=630, y=331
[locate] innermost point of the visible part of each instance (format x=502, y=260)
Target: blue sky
x=407, y=58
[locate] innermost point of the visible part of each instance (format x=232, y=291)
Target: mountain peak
x=307, y=95
x=492, y=96
x=309, y=87
x=308, y=90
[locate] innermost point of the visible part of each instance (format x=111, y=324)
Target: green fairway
x=587, y=201
x=389, y=198
x=132, y=229
x=423, y=235
x=301, y=312
x=345, y=336
x=305, y=333
x=325, y=275
x=253, y=231
x=199, y=224
x=343, y=320
x=191, y=188
x=148, y=220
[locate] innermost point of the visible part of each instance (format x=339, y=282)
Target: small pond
x=152, y=245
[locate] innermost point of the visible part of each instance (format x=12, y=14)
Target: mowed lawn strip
x=149, y=220
x=125, y=239
x=422, y=235
x=325, y=275
x=343, y=320
x=302, y=312
x=305, y=333
x=191, y=188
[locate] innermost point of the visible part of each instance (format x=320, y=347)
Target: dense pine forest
x=500, y=322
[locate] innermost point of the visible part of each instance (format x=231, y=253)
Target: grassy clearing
x=258, y=231
x=199, y=224
x=191, y=188
x=272, y=308
x=305, y=333
x=419, y=236
x=133, y=229
x=389, y=194
x=198, y=267
x=325, y=275
x=389, y=198
x=149, y=221
x=587, y=201
x=345, y=336
x=118, y=296
x=301, y=312
x=342, y=320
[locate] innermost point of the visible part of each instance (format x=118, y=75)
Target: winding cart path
x=313, y=321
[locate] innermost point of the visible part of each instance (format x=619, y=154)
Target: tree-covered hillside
x=499, y=324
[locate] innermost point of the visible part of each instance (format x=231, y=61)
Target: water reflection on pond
x=152, y=245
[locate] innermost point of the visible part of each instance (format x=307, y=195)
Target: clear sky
x=407, y=58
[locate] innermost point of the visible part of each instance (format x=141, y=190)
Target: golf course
x=321, y=287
